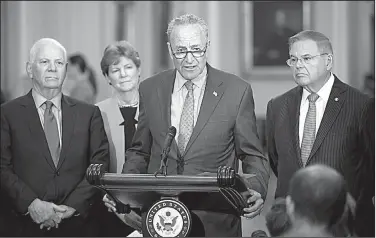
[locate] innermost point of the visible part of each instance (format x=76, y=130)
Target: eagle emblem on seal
x=167, y=222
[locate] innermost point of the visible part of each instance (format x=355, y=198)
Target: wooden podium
x=167, y=200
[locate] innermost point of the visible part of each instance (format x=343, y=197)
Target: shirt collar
x=40, y=100
x=198, y=81
x=324, y=91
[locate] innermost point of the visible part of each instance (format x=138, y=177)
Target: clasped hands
x=48, y=214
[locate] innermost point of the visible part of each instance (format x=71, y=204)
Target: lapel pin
x=336, y=99
x=215, y=93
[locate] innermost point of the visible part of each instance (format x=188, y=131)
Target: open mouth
x=190, y=67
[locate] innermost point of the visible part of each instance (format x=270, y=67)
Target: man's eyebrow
x=181, y=47
x=306, y=55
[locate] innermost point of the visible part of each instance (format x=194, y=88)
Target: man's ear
x=169, y=50
x=329, y=62
x=29, y=70
x=290, y=206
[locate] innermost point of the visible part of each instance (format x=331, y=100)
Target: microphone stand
x=163, y=167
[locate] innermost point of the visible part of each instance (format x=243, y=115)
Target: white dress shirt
x=178, y=96
x=56, y=109
x=323, y=93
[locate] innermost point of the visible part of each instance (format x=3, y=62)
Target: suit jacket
x=112, y=119
x=338, y=141
x=365, y=212
x=225, y=131
x=27, y=169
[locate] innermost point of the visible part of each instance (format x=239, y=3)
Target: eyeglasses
x=195, y=53
x=305, y=59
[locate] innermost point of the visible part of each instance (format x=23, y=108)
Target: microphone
x=259, y=233
x=166, y=149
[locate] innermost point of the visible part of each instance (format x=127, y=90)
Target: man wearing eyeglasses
x=213, y=113
x=321, y=121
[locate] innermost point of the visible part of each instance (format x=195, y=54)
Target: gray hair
x=44, y=41
x=187, y=19
x=323, y=42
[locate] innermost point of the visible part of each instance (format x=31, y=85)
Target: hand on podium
x=132, y=219
x=255, y=204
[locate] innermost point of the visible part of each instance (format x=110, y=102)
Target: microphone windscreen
x=172, y=131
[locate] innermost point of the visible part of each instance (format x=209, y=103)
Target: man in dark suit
x=319, y=120
x=213, y=112
x=47, y=142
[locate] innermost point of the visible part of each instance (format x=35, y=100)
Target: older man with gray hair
x=213, y=113
x=47, y=142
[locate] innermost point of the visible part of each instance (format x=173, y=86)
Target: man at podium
x=213, y=113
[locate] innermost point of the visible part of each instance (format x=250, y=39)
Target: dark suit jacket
x=224, y=132
x=27, y=169
x=365, y=208
x=337, y=142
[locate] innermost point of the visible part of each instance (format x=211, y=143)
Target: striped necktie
x=309, y=132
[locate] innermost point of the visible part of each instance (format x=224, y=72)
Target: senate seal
x=168, y=218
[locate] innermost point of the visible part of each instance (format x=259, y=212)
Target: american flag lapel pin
x=215, y=93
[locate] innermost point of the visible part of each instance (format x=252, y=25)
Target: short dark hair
x=319, y=194
x=79, y=60
x=115, y=51
x=323, y=42
x=277, y=219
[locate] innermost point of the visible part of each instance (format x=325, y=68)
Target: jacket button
x=57, y=173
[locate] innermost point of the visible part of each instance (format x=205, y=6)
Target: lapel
x=68, y=123
x=136, y=115
x=115, y=120
x=164, y=92
x=332, y=109
x=214, y=83
x=294, y=107
x=114, y=113
x=36, y=129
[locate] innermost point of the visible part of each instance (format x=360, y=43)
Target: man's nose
x=299, y=63
x=189, y=57
x=52, y=66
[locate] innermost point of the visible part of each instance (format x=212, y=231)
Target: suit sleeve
x=248, y=146
x=137, y=157
x=21, y=194
x=82, y=195
x=272, y=153
x=367, y=144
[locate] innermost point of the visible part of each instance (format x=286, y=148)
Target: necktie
x=309, y=128
x=52, y=133
x=186, y=119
